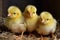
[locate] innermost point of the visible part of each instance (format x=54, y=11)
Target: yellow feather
x=46, y=23
x=31, y=17
x=15, y=20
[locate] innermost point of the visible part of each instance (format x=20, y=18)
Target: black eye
x=33, y=12
x=47, y=19
x=14, y=13
x=27, y=11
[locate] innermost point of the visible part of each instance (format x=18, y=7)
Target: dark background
x=0, y=8
x=53, y=6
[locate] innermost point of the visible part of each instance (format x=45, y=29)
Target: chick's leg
x=41, y=37
x=21, y=35
x=54, y=37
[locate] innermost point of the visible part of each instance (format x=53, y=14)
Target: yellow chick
x=15, y=20
x=31, y=17
x=46, y=23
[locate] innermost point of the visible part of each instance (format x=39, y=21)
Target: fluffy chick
x=46, y=23
x=15, y=20
x=31, y=17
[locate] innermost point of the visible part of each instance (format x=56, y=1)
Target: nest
x=7, y=35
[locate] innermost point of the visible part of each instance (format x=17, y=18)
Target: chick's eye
x=14, y=13
x=33, y=12
x=27, y=12
x=47, y=19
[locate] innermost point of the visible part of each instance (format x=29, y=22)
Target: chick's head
x=46, y=18
x=14, y=12
x=30, y=10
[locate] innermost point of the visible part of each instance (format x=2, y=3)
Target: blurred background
x=52, y=6
x=0, y=8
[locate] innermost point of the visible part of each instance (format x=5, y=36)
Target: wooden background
x=0, y=8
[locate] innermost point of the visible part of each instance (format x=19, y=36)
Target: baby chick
x=46, y=23
x=15, y=20
x=31, y=17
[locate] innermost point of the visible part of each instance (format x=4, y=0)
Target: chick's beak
x=9, y=14
x=31, y=14
x=43, y=21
